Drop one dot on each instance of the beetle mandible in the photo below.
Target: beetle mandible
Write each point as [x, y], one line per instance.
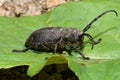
[56, 39]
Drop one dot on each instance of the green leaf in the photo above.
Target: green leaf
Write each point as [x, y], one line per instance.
[95, 69]
[105, 57]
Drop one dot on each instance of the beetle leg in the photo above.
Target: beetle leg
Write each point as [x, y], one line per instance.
[69, 52]
[82, 55]
[56, 45]
[92, 40]
[81, 47]
[55, 49]
[24, 50]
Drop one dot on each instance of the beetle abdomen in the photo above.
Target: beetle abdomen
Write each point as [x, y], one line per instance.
[43, 39]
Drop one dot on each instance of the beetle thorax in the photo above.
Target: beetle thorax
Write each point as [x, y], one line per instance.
[72, 34]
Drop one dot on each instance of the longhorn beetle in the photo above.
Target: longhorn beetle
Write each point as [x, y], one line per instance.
[58, 39]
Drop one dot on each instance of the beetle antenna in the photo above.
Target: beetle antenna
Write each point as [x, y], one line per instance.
[95, 19]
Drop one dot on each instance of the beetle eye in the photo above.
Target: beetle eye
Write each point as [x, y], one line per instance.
[80, 38]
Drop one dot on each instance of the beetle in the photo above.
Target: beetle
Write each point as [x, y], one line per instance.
[59, 39]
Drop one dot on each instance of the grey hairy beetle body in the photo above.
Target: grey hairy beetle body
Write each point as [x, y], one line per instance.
[55, 39]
